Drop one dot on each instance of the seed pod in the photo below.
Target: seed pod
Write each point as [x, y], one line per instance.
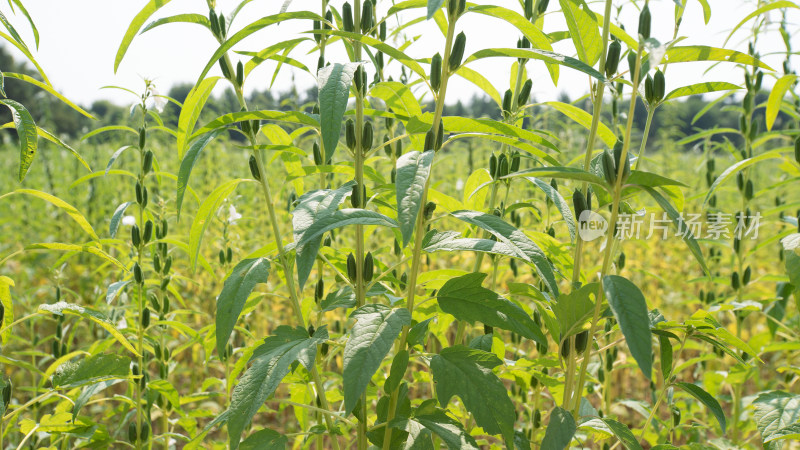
[437, 144]
[240, 74]
[403, 280]
[398, 148]
[350, 134]
[676, 416]
[359, 78]
[366, 17]
[436, 72]
[797, 150]
[430, 141]
[537, 418]
[626, 169]
[7, 394]
[379, 61]
[493, 165]
[644, 22]
[3, 314]
[746, 276]
[142, 137]
[137, 273]
[347, 18]
[529, 9]
[735, 280]
[366, 135]
[649, 94]
[759, 79]
[317, 154]
[147, 163]
[427, 213]
[589, 198]
[165, 308]
[393, 175]
[507, 103]
[145, 433]
[146, 317]
[254, 168]
[139, 193]
[502, 166]
[515, 161]
[135, 236]
[609, 168]
[351, 267]
[581, 339]
[223, 29]
[659, 85]
[612, 58]
[212, 18]
[621, 261]
[578, 202]
[319, 292]
[229, 254]
[525, 93]
[382, 31]
[369, 267]
[355, 200]
[565, 348]
[541, 7]
[631, 63]
[748, 190]
[167, 264]
[148, 231]
[132, 434]
[458, 51]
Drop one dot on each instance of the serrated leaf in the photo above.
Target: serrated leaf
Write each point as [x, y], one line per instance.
[573, 310]
[449, 430]
[62, 307]
[524, 248]
[271, 362]
[465, 299]
[376, 328]
[26, 133]
[413, 170]
[187, 164]
[559, 431]
[265, 439]
[100, 367]
[630, 309]
[235, 291]
[705, 398]
[467, 373]
[333, 82]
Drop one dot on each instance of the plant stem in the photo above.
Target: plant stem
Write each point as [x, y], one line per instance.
[664, 389]
[650, 113]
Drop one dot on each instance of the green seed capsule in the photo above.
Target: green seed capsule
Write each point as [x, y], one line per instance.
[529, 9]
[135, 236]
[524, 93]
[366, 136]
[537, 419]
[581, 339]
[759, 79]
[382, 31]
[578, 202]
[355, 200]
[430, 207]
[626, 170]
[145, 431]
[609, 168]
[612, 58]
[436, 72]
[369, 267]
[167, 264]
[493, 165]
[502, 166]
[166, 305]
[7, 394]
[403, 280]
[644, 22]
[226, 72]
[398, 149]
[221, 257]
[565, 348]
[797, 150]
[366, 17]
[146, 318]
[239, 74]
[507, 103]
[649, 94]
[351, 267]
[148, 231]
[315, 25]
[631, 64]
[139, 193]
[142, 137]
[541, 7]
[147, 163]
[458, 51]
[430, 141]
[659, 85]
[621, 261]
[132, 434]
[317, 154]
[676, 416]
[229, 255]
[223, 29]
[212, 18]
[254, 168]
[437, 144]
[347, 18]
[350, 134]
[137, 273]
[515, 161]
[746, 276]
[319, 292]
[735, 280]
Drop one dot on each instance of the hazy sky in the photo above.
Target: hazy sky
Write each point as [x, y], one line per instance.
[79, 40]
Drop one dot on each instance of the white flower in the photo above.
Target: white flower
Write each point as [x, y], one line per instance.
[459, 184]
[158, 101]
[233, 216]
[129, 221]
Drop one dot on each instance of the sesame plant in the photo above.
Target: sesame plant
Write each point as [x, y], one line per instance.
[306, 276]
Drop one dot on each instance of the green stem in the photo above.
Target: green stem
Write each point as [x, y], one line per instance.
[664, 389]
[650, 113]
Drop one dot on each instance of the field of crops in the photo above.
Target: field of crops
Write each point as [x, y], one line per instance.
[370, 265]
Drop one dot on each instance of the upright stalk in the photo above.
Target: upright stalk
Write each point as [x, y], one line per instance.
[650, 113]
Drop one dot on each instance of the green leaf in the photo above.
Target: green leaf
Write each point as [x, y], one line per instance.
[584, 119]
[676, 218]
[776, 98]
[736, 168]
[334, 89]
[190, 111]
[61, 204]
[204, 215]
[523, 247]
[543, 55]
[559, 202]
[573, 310]
[283, 116]
[476, 78]
[630, 309]
[465, 299]
[235, 291]
[100, 367]
[114, 289]
[467, 373]
[62, 307]
[449, 430]
[700, 88]
[116, 155]
[413, 170]
[564, 173]
[776, 416]
[449, 241]
[87, 248]
[265, 439]
[26, 133]
[49, 89]
[116, 218]
[2, 84]
[137, 22]
[559, 431]
[250, 29]
[187, 164]
[763, 9]
[583, 28]
[695, 53]
[317, 213]
[178, 18]
[88, 392]
[390, 50]
[271, 362]
[433, 6]
[665, 347]
[623, 433]
[8, 317]
[705, 398]
[376, 328]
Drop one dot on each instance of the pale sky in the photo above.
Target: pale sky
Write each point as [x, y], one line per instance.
[79, 40]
